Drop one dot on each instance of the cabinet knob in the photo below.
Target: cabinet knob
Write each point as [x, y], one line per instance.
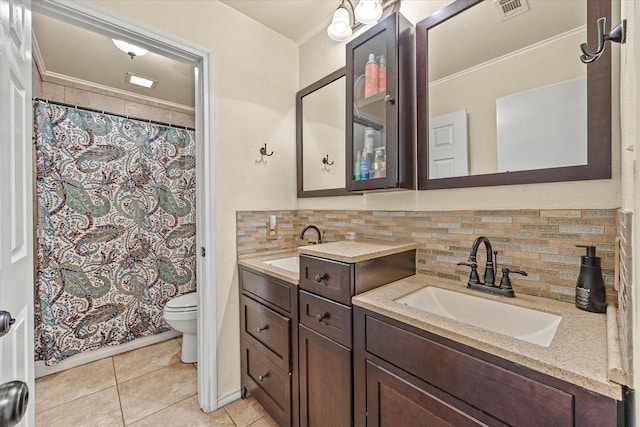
[263, 376]
[321, 317]
[321, 277]
[388, 99]
[263, 328]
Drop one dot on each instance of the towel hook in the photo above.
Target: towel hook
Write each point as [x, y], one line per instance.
[325, 161]
[263, 151]
[618, 34]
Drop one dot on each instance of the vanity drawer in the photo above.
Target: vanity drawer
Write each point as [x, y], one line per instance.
[329, 318]
[270, 385]
[267, 289]
[503, 394]
[330, 279]
[270, 330]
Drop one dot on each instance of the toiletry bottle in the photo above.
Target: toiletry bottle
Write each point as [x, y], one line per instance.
[382, 74]
[590, 293]
[377, 165]
[364, 166]
[371, 77]
[356, 168]
[369, 139]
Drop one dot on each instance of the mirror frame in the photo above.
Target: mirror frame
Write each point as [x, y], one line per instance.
[598, 112]
[299, 140]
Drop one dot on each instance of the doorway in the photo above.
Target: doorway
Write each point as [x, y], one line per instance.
[111, 25]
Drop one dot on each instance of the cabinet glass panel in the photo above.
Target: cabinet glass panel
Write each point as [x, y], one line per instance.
[369, 108]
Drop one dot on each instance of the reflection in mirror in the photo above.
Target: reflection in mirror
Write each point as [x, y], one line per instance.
[505, 99]
[320, 129]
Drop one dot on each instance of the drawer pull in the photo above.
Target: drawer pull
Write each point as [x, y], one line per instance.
[263, 328]
[321, 277]
[321, 317]
[263, 376]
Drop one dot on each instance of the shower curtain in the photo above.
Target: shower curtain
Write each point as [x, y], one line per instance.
[115, 227]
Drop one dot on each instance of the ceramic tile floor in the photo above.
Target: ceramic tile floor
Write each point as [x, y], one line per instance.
[144, 387]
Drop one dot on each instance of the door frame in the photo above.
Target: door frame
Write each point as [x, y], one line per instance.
[103, 21]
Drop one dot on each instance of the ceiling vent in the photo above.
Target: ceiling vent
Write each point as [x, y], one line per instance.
[507, 9]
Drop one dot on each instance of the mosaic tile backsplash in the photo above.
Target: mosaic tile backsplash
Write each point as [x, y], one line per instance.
[540, 242]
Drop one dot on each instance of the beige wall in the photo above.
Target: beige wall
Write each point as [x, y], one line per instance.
[254, 90]
[630, 126]
[320, 56]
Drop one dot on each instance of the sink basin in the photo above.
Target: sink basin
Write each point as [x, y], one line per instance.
[291, 263]
[524, 324]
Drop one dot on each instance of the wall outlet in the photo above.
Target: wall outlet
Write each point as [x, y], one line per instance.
[272, 228]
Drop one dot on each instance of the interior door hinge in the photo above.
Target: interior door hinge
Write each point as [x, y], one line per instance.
[203, 251]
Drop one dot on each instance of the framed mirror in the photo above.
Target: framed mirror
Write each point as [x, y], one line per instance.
[503, 97]
[320, 137]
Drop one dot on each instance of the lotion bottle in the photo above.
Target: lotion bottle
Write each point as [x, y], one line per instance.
[356, 168]
[382, 75]
[371, 76]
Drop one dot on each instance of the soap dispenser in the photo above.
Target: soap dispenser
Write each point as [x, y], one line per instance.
[590, 293]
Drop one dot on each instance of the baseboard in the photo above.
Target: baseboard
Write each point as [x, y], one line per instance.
[229, 397]
[42, 370]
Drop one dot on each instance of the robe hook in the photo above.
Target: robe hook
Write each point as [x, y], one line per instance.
[263, 151]
[618, 34]
[325, 160]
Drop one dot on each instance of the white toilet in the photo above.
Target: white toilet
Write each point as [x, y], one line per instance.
[180, 313]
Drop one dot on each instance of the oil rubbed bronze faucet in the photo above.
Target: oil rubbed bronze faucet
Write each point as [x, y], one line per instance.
[489, 285]
[320, 234]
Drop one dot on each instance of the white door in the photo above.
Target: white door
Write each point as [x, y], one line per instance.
[448, 145]
[16, 211]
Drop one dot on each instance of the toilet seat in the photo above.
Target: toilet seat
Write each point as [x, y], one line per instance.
[188, 302]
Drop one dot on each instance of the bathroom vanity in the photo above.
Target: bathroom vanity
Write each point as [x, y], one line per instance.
[414, 367]
[337, 343]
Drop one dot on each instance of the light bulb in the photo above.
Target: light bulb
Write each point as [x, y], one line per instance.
[368, 11]
[340, 28]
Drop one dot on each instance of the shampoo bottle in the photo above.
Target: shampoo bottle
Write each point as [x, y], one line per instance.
[364, 166]
[590, 293]
[371, 76]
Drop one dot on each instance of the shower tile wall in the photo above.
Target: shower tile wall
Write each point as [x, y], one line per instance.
[541, 242]
[100, 99]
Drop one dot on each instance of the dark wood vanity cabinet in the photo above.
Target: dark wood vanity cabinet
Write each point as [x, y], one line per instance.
[407, 376]
[381, 113]
[269, 343]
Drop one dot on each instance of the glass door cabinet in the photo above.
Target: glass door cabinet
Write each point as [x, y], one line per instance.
[380, 110]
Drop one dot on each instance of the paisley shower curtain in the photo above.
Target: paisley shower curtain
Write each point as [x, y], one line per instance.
[115, 227]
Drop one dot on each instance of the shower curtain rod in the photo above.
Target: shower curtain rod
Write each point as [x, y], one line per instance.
[113, 114]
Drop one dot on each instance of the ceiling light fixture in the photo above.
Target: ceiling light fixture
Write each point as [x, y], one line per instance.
[366, 12]
[140, 81]
[130, 49]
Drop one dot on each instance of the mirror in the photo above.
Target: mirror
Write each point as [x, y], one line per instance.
[320, 137]
[506, 100]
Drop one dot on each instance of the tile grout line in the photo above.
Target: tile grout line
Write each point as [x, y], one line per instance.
[118, 391]
[162, 409]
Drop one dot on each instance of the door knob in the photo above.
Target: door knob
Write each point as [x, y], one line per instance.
[5, 322]
[14, 396]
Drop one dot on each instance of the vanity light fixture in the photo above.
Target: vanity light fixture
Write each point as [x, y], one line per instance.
[130, 49]
[366, 12]
[140, 81]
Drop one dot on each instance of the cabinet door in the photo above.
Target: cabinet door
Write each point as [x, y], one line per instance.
[380, 113]
[392, 401]
[325, 381]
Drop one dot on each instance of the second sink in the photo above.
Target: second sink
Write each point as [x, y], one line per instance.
[533, 326]
[289, 263]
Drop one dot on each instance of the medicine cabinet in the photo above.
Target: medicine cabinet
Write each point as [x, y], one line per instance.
[380, 114]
